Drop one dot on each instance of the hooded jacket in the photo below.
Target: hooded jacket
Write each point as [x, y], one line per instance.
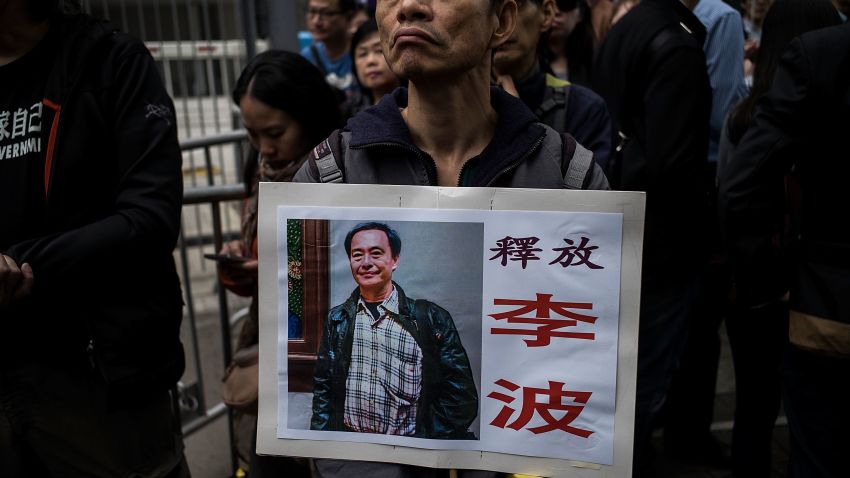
[376, 148]
[106, 291]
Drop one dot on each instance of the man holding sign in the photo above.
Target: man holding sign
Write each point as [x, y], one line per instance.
[448, 128]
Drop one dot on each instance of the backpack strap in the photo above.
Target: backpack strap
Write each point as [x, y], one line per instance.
[327, 162]
[578, 166]
[554, 99]
[319, 63]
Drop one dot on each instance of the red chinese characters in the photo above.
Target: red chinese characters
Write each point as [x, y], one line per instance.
[547, 327]
[552, 400]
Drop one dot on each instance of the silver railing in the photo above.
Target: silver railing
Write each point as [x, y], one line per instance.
[212, 202]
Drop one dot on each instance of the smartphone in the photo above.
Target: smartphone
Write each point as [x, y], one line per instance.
[226, 258]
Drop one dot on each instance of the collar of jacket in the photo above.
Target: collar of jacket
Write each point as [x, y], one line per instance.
[663, 14]
[517, 132]
[532, 88]
[350, 305]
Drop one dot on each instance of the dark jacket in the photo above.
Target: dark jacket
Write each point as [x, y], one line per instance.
[449, 401]
[586, 117]
[801, 123]
[651, 72]
[101, 253]
[376, 148]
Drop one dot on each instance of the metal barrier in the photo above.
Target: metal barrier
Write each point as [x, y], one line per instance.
[207, 223]
[199, 46]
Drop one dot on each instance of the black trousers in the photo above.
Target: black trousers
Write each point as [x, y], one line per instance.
[58, 420]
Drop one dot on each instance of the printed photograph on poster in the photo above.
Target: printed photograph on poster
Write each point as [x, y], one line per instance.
[450, 329]
[539, 287]
[384, 328]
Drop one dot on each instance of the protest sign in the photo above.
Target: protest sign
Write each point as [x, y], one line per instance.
[469, 328]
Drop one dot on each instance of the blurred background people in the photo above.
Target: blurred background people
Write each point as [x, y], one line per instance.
[361, 15]
[287, 108]
[689, 410]
[374, 77]
[650, 68]
[329, 22]
[601, 13]
[843, 7]
[572, 40]
[566, 107]
[753, 17]
[566, 17]
[797, 123]
[758, 371]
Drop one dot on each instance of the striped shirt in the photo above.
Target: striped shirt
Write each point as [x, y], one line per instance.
[724, 57]
[384, 379]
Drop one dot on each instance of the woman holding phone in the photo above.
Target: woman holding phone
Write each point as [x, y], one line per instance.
[287, 108]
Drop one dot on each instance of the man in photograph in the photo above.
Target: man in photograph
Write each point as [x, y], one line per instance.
[388, 363]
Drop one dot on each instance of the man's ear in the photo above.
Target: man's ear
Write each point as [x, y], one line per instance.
[550, 9]
[396, 259]
[506, 16]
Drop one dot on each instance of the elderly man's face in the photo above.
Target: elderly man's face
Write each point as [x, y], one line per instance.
[433, 38]
[372, 261]
[520, 51]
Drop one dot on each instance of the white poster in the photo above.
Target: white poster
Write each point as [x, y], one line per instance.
[457, 330]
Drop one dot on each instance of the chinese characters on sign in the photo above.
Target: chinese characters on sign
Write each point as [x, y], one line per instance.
[550, 315]
[553, 397]
[547, 327]
[534, 299]
[522, 250]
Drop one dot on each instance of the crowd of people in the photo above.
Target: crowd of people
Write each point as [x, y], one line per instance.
[729, 115]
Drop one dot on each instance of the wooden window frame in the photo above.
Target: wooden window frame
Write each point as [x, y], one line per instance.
[315, 267]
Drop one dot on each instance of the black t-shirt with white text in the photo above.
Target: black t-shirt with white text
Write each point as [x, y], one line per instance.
[23, 118]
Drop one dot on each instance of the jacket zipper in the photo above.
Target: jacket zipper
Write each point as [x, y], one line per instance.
[513, 165]
[90, 352]
[432, 174]
[462, 169]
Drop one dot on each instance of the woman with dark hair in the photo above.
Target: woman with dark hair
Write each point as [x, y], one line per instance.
[757, 369]
[570, 43]
[371, 70]
[569, 14]
[785, 20]
[287, 108]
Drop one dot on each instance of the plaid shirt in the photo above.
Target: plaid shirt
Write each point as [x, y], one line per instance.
[384, 379]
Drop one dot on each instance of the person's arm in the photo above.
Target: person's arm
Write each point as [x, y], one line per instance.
[457, 406]
[724, 52]
[145, 215]
[323, 382]
[589, 123]
[751, 184]
[238, 277]
[677, 102]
